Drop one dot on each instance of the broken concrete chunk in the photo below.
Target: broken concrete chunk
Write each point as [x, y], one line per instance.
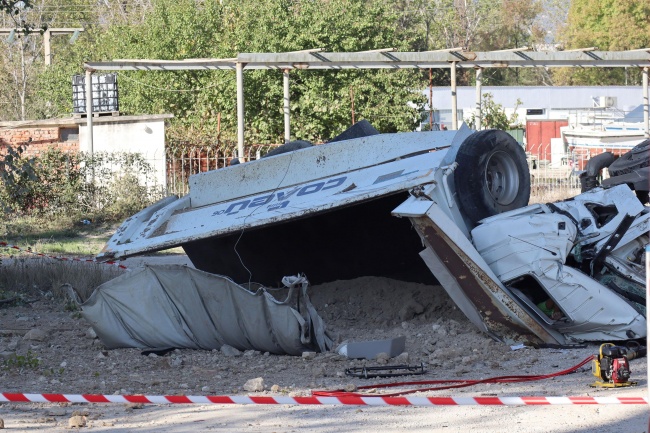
[56, 411]
[91, 334]
[230, 351]
[402, 358]
[175, 362]
[410, 310]
[429, 346]
[77, 421]
[308, 355]
[36, 335]
[254, 385]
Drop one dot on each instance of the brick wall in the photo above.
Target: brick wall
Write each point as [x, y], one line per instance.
[37, 140]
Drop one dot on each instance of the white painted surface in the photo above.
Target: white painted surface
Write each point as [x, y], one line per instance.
[173, 225]
[548, 97]
[309, 164]
[146, 136]
[558, 152]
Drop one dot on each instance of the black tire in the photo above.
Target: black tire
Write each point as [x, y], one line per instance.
[289, 147]
[637, 157]
[360, 129]
[492, 175]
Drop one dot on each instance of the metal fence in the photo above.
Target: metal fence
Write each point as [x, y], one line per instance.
[187, 161]
[556, 177]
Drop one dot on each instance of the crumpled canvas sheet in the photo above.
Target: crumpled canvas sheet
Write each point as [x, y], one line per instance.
[172, 306]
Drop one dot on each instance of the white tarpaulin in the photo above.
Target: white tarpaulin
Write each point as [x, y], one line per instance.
[159, 307]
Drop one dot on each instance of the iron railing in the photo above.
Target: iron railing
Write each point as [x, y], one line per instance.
[190, 160]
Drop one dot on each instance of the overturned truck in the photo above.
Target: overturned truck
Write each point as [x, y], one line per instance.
[443, 206]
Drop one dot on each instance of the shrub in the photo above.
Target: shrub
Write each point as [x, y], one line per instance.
[494, 115]
[19, 178]
[108, 186]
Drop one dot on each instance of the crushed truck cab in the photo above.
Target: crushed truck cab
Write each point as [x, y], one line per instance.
[442, 206]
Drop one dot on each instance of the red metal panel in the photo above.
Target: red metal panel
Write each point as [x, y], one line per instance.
[539, 134]
[533, 136]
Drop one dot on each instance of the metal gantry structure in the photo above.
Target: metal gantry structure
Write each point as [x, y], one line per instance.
[389, 58]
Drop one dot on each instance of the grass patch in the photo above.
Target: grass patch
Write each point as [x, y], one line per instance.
[25, 275]
[55, 236]
[20, 362]
[61, 236]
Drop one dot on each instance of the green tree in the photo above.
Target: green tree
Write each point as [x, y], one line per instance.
[458, 23]
[20, 64]
[13, 9]
[515, 24]
[321, 102]
[19, 54]
[607, 25]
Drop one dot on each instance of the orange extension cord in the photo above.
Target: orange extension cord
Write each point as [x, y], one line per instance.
[449, 384]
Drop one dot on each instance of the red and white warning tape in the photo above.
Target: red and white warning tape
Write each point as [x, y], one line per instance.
[63, 259]
[314, 400]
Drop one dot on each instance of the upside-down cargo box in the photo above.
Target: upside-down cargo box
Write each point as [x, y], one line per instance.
[443, 205]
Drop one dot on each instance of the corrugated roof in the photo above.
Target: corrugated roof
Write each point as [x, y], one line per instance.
[388, 58]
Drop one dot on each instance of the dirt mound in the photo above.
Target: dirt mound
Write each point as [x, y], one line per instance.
[71, 359]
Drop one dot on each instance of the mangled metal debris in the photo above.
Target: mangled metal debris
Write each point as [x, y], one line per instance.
[414, 206]
[160, 307]
[366, 372]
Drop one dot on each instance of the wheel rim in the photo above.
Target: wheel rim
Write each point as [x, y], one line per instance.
[502, 178]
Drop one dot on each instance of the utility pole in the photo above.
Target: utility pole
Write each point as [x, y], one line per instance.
[47, 35]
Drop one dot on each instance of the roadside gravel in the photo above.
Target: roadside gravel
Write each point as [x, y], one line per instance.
[71, 360]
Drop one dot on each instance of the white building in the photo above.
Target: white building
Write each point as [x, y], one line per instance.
[538, 102]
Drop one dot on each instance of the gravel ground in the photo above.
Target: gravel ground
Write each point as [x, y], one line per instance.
[55, 352]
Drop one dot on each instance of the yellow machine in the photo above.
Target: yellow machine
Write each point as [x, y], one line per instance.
[612, 366]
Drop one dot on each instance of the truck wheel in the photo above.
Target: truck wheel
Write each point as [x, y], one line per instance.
[637, 157]
[492, 175]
